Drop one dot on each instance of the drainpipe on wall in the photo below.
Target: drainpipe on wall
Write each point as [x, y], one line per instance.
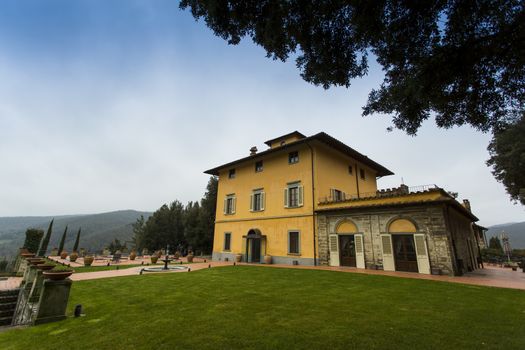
[313, 202]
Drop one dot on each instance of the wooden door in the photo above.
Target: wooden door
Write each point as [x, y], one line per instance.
[256, 250]
[405, 253]
[347, 250]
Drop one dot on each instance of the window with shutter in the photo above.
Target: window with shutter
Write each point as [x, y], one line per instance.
[229, 204]
[333, 243]
[293, 242]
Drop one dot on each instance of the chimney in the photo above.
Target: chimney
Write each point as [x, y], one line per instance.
[253, 151]
[466, 204]
[403, 189]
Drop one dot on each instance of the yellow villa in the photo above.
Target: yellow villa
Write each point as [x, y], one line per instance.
[314, 201]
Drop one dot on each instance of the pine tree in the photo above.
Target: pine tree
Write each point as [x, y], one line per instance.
[62, 242]
[75, 247]
[45, 242]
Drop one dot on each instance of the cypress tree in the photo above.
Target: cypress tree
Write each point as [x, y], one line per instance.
[33, 238]
[75, 247]
[62, 241]
[45, 242]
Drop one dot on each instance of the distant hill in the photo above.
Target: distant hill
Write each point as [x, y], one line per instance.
[97, 229]
[515, 231]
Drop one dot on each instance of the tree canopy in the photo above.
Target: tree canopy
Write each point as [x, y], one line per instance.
[460, 62]
[507, 157]
[185, 227]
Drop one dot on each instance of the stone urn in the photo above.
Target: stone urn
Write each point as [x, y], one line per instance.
[268, 259]
[132, 255]
[63, 254]
[154, 259]
[73, 257]
[57, 275]
[27, 255]
[36, 261]
[238, 257]
[88, 260]
[190, 257]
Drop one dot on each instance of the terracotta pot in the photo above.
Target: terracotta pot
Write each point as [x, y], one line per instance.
[63, 255]
[73, 257]
[27, 255]
[268, 259]
[132, 256]
[57, 275]
[189, 258]
[154, 259]
[238, 257]
[43, 267]
[23, 251]
[54, 252]
[514, 268]
[88, 260]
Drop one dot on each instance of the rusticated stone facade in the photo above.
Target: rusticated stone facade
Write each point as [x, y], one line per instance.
[448, 234]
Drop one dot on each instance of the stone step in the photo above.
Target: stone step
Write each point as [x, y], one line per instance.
[7, 313]
[8, 306]
[9, 292]
[5, 321]
[8, 299]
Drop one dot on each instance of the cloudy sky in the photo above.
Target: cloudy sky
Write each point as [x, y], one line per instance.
[120, 104]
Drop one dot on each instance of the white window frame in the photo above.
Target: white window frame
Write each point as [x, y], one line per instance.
[232, 173]
[262, 166]
[298, 242]
[300, 195]
[256, 207]
[229, 204]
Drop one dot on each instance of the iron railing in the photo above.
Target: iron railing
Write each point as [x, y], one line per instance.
[339, 196]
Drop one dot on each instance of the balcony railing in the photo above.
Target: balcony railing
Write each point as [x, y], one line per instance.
[389, 192]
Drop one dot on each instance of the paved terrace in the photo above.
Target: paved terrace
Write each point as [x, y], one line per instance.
[491, 276]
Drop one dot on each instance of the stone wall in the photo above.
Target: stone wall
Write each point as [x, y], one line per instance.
[372, 222]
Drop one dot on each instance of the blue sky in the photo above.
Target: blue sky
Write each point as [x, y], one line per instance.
[108, 105]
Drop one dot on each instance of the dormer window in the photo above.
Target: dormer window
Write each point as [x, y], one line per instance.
[231, 174]
[293, 157]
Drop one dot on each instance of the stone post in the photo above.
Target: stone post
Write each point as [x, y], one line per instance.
[53, 301]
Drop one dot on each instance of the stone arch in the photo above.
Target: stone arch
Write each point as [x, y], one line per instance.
[401, 225]
[346, 226]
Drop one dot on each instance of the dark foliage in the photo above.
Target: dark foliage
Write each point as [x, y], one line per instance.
[462, 61]
[62, 241]
[33, 238]
[507, 158]
[186, 227]
[495, 243]
[115, 245]
[77, 241]
[45, 242]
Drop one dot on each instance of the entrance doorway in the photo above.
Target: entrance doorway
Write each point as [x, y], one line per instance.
[405, 253]
[255, 250]
[255, 244]
[347, 250]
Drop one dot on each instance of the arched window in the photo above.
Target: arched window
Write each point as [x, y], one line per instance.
[402, 226]
[346, 226]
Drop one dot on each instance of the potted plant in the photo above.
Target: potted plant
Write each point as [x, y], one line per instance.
[58, 273]
[73, 256]
[190, 256]
[54, 252]
[268, 259]
[154, 258]
[63, 254]
[132, 255]
[88, 260]
[514, 266]
[238, 257]
[177, 255]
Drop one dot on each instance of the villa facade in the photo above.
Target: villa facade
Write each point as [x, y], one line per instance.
[314, 201]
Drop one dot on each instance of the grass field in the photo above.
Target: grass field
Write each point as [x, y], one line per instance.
[247, 307]
[102, 268]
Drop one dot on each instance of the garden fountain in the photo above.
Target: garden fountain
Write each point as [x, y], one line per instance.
[166, 267]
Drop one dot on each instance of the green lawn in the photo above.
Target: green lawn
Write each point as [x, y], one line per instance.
[247, 307]
[103, 268]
